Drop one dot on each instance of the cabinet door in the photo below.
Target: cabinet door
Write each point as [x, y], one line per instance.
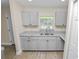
[34, 18]
[61, 17]
[25, 43]
[26, 18]
[60, 44]
[52, 43]
[42, 44]
[30, 18]
[33, 43]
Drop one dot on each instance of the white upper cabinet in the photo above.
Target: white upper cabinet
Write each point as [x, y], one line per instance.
[30, 18]
[34, 18]
[26, 18]
[61, 17]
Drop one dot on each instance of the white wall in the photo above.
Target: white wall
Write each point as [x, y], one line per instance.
[5, 12]
[18, 28]
[17, 23]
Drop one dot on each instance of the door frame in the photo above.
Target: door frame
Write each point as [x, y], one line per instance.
[68, 29]
[10, 30]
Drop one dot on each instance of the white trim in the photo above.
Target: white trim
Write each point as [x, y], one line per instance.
[68, 29]
[18, 52]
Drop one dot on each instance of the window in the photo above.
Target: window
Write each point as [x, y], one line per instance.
[46, 22]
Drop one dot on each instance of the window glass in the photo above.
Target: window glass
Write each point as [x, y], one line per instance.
[46, 22]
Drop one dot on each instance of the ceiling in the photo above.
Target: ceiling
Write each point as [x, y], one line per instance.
[44, 3]
[38, 3]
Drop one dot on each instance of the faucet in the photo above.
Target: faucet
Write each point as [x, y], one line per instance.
[46, 32]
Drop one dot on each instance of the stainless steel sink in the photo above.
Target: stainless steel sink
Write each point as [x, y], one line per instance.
[52, 34]
[41, 34]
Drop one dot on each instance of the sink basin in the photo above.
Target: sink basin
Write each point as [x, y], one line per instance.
[41, 34]
[52, 34]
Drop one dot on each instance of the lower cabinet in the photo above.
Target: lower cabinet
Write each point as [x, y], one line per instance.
[41, 43]
[33, 45]
[52, 44]
[25, 43]
[60, 44]
[28, 43]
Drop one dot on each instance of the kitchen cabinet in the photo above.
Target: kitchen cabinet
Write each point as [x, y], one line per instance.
[30, 18]
[38, 43]
[41, 43]
[33, 43]
[34, 18]
[25, 43]
[60, 18]
[52, 44]
[26, 18]
[60, 44]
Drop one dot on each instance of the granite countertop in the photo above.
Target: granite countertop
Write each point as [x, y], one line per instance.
[36, 33]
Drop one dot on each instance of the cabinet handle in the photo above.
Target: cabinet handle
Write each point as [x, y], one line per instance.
[28, 40]
[47, 40]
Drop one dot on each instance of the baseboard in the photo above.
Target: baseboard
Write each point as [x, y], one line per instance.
[6, 43]
[18, 52]
[43, 50]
